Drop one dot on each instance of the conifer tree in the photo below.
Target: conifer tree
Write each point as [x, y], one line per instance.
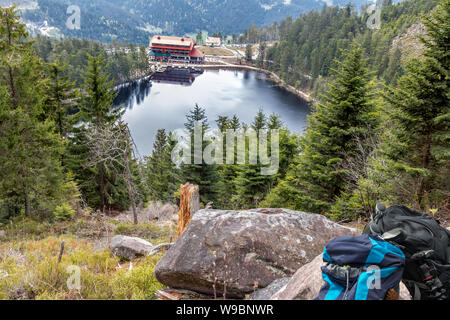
[262, 54]
[252, 185]
[228, 171]
[96, 107]
[29, 148]
[223, 123]
[161, 172]
[234, 123]
[248, 52]
[417, 145]
[316, 181]
[96, 111]
[198, 172]
[62, 97]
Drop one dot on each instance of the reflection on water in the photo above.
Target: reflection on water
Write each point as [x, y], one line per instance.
[132, 93]
[174, 76]
[164, 103]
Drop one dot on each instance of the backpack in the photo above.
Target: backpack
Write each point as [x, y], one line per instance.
[360, 268]
[426, 246]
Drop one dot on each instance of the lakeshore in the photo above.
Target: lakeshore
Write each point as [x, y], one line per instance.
[273, 77]
[163, 101]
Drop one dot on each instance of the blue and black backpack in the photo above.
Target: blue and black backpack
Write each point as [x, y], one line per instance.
[360, 268]
[426, 245]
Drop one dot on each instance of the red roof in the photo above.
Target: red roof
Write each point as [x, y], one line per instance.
[172, 41]
[195, 53]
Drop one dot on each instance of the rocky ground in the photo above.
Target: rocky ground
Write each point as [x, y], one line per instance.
[253, 254]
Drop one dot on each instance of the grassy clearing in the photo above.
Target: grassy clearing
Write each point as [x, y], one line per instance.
[214, 50]
[30, 270]
[153, 232]
[29, 251]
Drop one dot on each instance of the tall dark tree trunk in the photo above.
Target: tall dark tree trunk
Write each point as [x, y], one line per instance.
[13, 88]
[101, 186]
[27, 202]
[130, 186]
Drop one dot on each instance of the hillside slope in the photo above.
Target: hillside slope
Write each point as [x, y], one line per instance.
[136, 20]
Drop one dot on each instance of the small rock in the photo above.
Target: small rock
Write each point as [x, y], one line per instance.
[158, 248]
[267, 292]
[130, 247]
[174, 294]
[23, 293]
[2, 234]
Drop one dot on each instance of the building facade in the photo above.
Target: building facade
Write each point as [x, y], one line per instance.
[175, 49]
[213, 42]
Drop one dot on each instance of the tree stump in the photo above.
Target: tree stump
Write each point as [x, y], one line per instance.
[189, 205]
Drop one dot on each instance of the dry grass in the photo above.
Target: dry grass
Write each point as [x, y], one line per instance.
[29, 267]
[155, 211]
[30, 270]
[214, 51]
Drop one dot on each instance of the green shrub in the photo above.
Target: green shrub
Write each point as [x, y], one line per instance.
[64, 212]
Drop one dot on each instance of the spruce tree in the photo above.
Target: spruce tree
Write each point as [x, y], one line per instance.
[223, 123]
[96, 107]
[198, 172]
[416, 147]
[252, 185]
[29, 148]
[96, 111]
[347, 111]
[235, 123]
[248, 53]
[228, 171]
[161, 172]
[62, 97]
[289, 145]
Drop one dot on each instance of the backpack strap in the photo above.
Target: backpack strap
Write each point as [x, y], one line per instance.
[380, 211]
[417, 286]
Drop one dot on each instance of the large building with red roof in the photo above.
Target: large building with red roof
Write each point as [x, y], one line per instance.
[175, 49]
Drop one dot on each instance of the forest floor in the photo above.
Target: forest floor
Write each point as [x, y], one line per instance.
[30, 249]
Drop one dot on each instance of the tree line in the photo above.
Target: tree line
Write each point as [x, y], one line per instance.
[62, 144]
[310, 45]
[370, 141]
[231, 184]
[124, 61]
[367, 140]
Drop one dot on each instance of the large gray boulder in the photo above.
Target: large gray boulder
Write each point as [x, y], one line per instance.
[242, 251]
[305, 284]
[130, 247]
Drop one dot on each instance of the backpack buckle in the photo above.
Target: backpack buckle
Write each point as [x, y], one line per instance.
[422, 255]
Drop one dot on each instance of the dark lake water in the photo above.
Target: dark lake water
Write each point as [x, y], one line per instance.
[163, 102]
